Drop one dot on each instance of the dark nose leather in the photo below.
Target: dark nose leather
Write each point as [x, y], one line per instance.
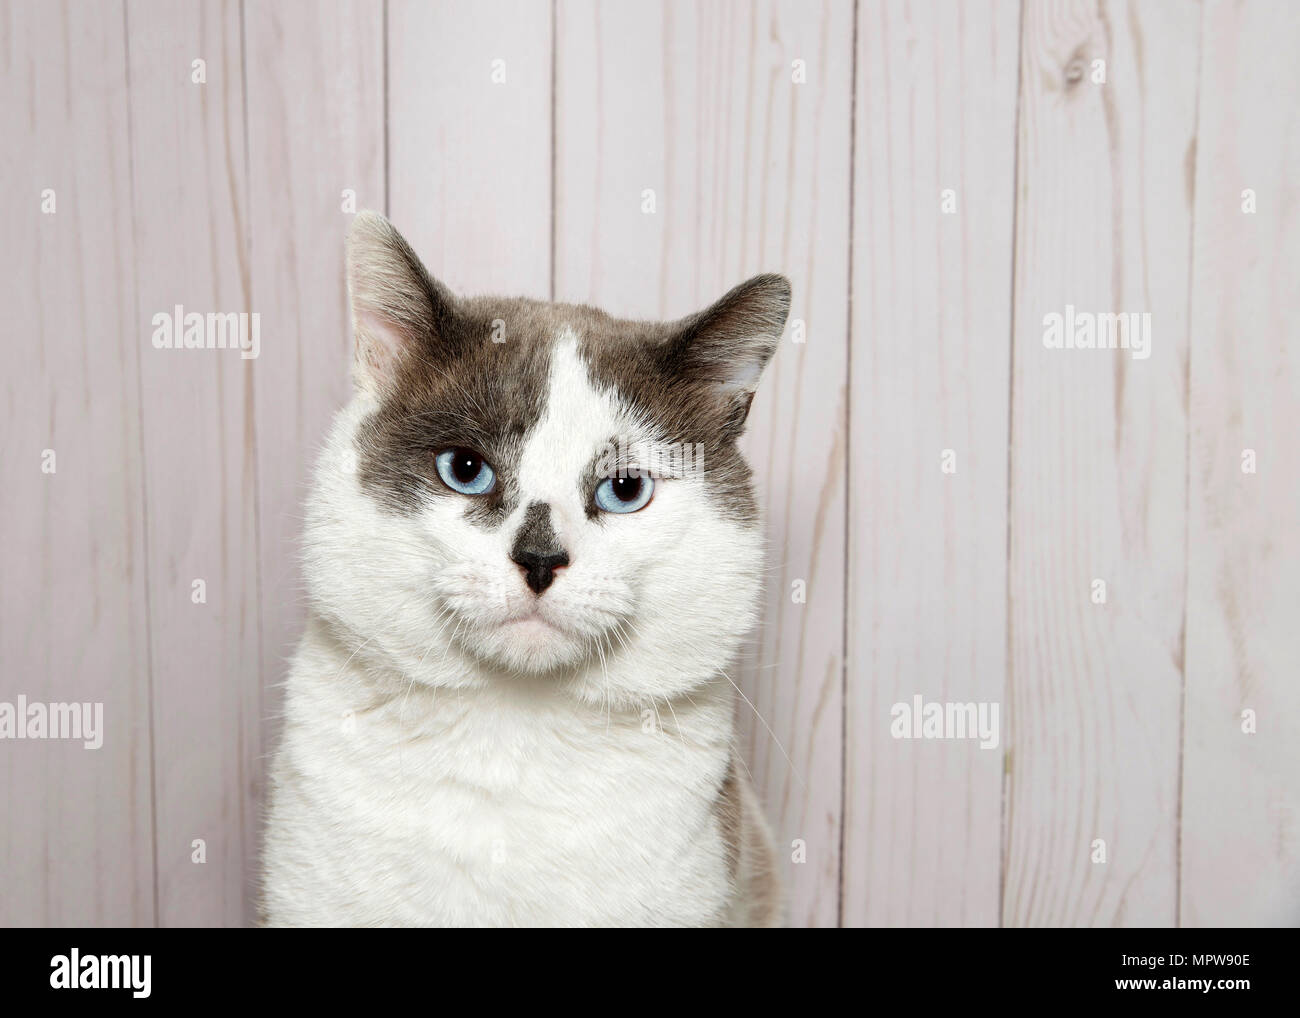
[539, 567]
[536, 549]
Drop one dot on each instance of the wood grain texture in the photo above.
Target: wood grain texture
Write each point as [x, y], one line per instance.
[76, 834]
[469, 160]
[1098, 466]
[750, 173]
[1241, 792]
[930, 350]
[315, 130]
[190, 224]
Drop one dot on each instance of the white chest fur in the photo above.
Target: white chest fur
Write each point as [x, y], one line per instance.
[499, 804]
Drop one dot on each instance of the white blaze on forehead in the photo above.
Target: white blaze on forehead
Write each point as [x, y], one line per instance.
[578, 421]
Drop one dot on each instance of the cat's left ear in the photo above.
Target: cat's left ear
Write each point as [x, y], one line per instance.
[728, 344]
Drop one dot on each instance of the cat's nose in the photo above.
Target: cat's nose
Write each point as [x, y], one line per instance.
[539, 567]
[536, 549]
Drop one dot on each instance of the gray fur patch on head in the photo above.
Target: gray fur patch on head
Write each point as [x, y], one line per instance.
[460, 388]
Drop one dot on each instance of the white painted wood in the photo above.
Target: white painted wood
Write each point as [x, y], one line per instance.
[1098, 467]
[200, 446]
[936, 99]
[469, 160]
[76, 837]
[750, 173]
[1241, 793]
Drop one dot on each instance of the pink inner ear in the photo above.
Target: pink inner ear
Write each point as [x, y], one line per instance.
[379, 345]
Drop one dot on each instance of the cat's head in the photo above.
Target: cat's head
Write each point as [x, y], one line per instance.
[524, 488]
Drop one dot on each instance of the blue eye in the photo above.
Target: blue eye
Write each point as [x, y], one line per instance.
[465, 471]
[624, 494]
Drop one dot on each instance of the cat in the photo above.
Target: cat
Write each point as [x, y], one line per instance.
[511, 705]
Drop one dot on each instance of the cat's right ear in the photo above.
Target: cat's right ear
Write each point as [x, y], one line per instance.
[398, 309]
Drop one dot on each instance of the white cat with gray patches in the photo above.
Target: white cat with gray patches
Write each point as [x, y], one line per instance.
[512, 705]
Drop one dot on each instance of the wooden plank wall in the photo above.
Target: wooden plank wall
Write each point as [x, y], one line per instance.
[1098, 467]
[76, 826]
[927, 564]
[1240, 810]
[944, 490]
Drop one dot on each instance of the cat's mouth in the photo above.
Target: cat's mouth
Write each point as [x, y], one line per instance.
[534, 620]
[530, 641]
[534, 634]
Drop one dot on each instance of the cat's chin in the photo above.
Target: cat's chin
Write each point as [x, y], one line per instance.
[529, 644]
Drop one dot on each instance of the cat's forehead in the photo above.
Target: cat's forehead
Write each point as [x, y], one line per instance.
[514, 357]
[543, 392]
[580, 418]
[522, 391]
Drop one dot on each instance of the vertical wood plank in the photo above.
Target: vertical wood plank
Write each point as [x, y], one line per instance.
[936, 101]
[469, 169]
[315, 131]
[1240, 862]
[1098, 467]
[76, 836]
[188, 163]
[750, 173]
